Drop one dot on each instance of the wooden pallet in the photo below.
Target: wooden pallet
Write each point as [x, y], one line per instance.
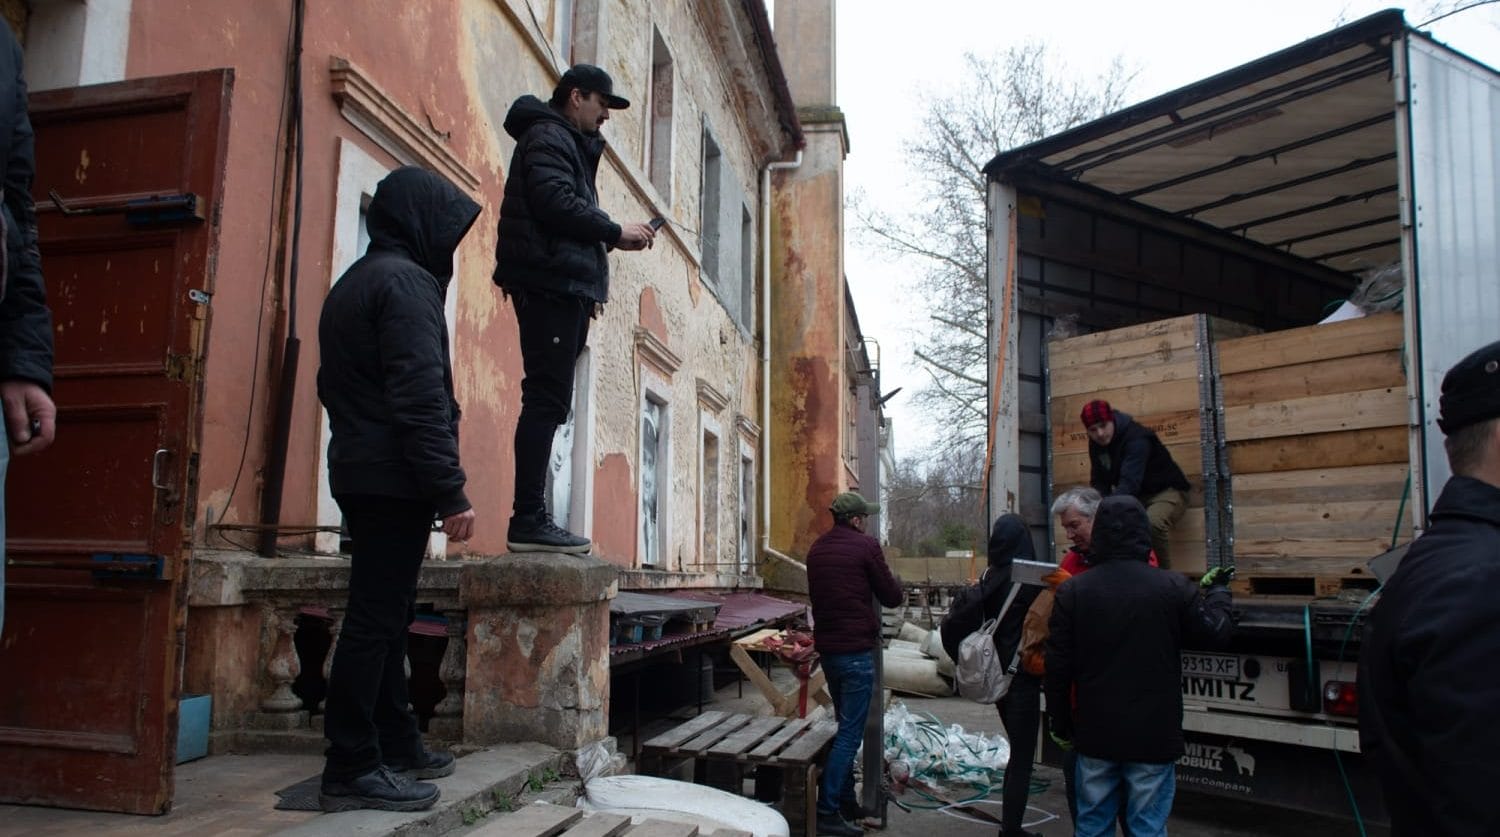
[541, 819]
[787, 752]
[1295, 585]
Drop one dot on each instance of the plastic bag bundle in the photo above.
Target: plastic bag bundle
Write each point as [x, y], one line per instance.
[927, 750]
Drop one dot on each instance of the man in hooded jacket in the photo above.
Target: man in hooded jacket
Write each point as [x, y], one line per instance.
[1127, 458]
[387, 382]
[551, 260]
[25, 322]
[1114, 677]
[1020, 710]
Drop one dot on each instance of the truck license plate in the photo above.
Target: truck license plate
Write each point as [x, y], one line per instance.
[1216, 666]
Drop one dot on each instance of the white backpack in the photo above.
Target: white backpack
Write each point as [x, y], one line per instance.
[981, 676]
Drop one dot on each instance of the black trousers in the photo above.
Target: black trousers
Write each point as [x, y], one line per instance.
[366, 717]
[1021, 715]
[554, 329]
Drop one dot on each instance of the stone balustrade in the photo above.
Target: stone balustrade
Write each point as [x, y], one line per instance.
[524, 655]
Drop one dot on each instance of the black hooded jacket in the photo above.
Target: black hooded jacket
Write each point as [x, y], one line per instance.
[1009, 540]
[553, 236]
[25, 324]
[1115, 634]
[385, 376]
[1427, 685]
[1138, 463]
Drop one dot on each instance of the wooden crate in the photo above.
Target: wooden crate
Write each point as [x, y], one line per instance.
[1315, 430]
[1157, 372]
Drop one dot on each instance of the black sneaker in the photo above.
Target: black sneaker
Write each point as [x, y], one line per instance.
[537, 533]
[380, 790]
[427, 765]
[852, 812]
[833, 825]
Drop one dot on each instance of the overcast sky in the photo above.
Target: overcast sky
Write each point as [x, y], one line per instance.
[892, 52]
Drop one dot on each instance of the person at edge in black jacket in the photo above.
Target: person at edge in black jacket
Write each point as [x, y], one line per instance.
[1127, 458]
[1021, 708]
[25, 322]
[387, 382]
[1114, 677]
[1428, 688]
[551, 261]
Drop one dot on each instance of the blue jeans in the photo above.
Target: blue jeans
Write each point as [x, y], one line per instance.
[851, 679]
[1145, 790]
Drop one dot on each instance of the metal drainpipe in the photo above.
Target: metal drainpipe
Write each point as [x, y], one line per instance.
[765, 359]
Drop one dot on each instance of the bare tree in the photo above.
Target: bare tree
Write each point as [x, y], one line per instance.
[937, 505]
[1015, 97]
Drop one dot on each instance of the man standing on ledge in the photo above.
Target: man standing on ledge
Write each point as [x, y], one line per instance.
[846, 572]
[1427, 684]
[1128, 459]
[551, 260]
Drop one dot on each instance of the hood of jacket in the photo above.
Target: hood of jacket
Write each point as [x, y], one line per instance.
[1122, 421]
[419, 214]
[529, 110]
[1009, 540]
[1122, 532]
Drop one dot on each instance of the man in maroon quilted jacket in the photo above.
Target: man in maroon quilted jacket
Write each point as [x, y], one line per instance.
[846, 573]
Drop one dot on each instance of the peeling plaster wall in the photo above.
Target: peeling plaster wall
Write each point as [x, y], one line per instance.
[455, 66]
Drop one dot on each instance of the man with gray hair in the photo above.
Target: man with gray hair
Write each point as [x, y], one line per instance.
[1075, 510]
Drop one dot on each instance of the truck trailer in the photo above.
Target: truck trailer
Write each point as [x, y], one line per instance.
[1177, 258]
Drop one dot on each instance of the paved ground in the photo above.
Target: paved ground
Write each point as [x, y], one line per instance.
[231, 796]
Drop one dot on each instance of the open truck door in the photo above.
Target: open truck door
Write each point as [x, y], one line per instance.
[99, 525]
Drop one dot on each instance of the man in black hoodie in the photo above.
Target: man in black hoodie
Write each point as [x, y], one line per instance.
[1114, 677]
[387, 382]
[1126, 458]
[551, 260]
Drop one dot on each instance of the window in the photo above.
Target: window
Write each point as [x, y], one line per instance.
[568, 477]
[575, 30]
[747, 510]
[711, 206]
[659, 126]
[72, 44]
[708, 493]
[747, 270]
[562, 29]
[654, 475]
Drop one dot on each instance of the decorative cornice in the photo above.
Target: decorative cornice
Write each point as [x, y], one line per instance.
[747, 427]
[385, 122]
[710, 397]
[655, 352]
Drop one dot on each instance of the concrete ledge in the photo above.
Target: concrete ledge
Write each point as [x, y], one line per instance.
[535, 580]
[220, 578]
[646, 580]
[483, 781]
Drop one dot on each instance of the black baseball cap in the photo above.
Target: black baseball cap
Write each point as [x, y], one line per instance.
[1471, 390]
[591, 79]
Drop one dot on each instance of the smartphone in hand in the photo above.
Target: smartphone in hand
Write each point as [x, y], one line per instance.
[657, 223]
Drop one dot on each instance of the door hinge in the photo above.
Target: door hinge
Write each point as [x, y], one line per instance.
[199, 297]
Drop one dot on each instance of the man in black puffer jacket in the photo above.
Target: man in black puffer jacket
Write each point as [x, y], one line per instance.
[551, 261]
[1114, 675]
[387, 382]
[1127, 458]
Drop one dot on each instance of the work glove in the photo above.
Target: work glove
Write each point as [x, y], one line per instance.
[1060, 735]
[1216, 576]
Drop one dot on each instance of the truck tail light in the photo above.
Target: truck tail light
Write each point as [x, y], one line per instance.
[1340, 698]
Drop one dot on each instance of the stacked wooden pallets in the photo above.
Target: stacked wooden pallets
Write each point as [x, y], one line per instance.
[1156, 372]
[1315, 433]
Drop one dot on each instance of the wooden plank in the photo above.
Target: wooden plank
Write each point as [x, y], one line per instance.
[1281, 563]
[599, 825]
[757, 677]
[675, 736]
[1322, 478]
[1125, 372]
[757, 638]
[539, 819]
[746, 738]
[1073, 468]
[1317, 414]
[1360, 336]
[807, 747]
[1179, 396]
[1179, 428]
[715, 734]
[1345, 374]
[776, 742]
[1068, 353]
[1155, 328]
[1304, 553]
[1319, 450]
[1382, 512]
[658, 828]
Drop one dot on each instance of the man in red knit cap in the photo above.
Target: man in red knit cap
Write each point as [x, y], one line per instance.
[1126, 458]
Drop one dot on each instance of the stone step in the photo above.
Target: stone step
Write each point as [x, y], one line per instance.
[486, 780]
